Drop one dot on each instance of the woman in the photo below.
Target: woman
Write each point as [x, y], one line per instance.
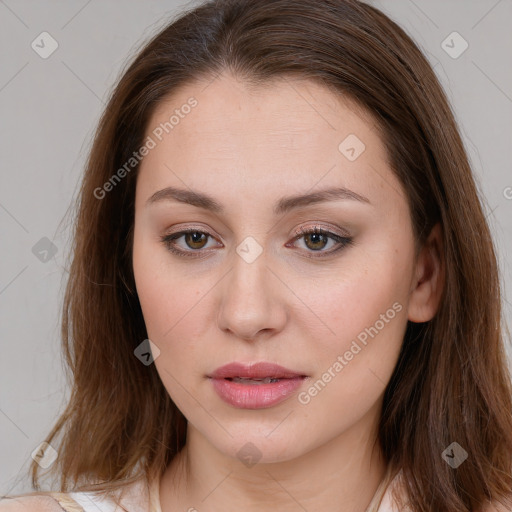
[284, 293]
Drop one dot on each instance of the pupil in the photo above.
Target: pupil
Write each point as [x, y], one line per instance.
[196, 237]
[317, 238]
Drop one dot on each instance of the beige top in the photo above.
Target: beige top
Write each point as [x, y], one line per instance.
[143, 497]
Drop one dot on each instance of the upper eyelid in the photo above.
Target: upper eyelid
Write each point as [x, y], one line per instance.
[304, 227]
[322, 228]
[302, 231]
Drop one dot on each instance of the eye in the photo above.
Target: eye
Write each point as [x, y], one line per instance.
[194, 239]
[317, 238]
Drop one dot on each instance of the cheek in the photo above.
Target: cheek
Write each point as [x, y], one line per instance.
[174, 315]
[356, 357]
[363, 309]
[172, 303]
[157, 293]
[175, 307]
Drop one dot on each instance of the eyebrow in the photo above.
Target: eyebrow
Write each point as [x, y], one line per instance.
[283, 205]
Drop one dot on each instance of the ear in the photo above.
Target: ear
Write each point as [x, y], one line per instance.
[428, 283]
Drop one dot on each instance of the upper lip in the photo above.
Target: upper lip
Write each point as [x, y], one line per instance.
[254, 370]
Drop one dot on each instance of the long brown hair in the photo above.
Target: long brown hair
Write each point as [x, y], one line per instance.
[451, 382]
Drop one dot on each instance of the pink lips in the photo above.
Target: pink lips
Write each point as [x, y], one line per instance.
[279, 384]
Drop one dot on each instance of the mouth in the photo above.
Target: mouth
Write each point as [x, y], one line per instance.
[255, 386]
[255, 373]
[259, 382]
[266, 380]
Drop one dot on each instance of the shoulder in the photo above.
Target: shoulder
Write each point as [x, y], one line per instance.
[396, 488]
[134, 496]
[29, 503]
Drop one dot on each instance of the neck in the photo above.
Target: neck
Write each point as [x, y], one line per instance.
[345, 470]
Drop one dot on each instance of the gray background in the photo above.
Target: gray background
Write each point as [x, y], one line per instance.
[49, 110]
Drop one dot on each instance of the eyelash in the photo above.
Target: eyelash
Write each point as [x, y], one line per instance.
[343, 241]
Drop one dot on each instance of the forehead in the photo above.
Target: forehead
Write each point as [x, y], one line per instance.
[285, 134]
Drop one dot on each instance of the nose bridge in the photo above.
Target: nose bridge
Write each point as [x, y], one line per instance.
[250, 301]
[248, 277]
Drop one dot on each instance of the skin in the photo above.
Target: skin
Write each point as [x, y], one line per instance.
[247, 147]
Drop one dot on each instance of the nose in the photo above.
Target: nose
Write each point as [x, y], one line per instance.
[252, 302]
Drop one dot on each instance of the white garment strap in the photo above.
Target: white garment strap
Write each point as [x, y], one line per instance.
[91, 502]
[375, 504]
[67, 503]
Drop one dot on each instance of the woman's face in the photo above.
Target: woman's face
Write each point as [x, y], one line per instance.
[252, 282]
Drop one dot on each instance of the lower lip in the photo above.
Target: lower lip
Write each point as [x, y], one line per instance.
[255, 396]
